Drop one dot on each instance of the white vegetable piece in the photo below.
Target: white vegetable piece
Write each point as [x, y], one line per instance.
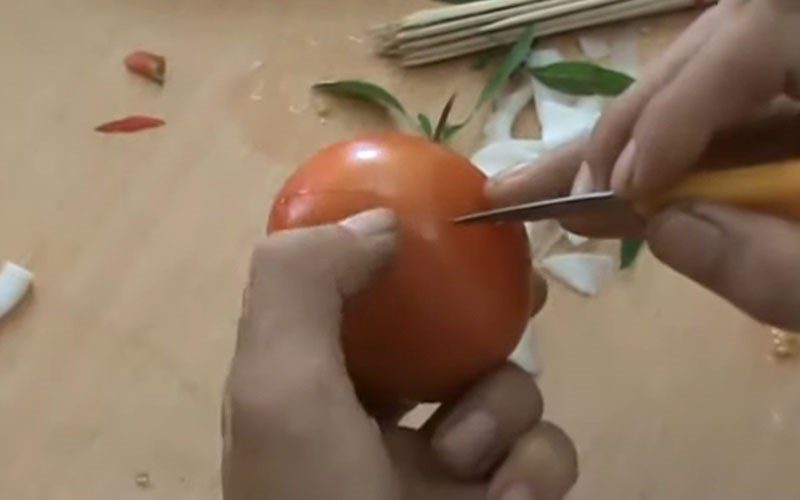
[585, 273]
[592, 104]
[498, 156]
[561, 123]
[15, 281]
[562, 117]
[417, 417]
[525, 354]
[594, 46]
[576, 240]
[624, 55]
[500, 124]
[543, 236]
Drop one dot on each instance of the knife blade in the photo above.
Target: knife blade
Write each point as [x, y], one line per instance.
[603, 202]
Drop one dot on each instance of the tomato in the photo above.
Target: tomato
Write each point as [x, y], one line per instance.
[455, 299]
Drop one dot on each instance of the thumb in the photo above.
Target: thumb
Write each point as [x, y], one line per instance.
[752, 260]
[292, 425]
[303, 275]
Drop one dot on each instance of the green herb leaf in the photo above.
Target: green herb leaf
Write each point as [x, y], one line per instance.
[582, 78]
[484, 58]
[425, 125]
[629, 251]
[515, 58]
[442, 125]
[458, 1]
[451, 130]
[366, 91]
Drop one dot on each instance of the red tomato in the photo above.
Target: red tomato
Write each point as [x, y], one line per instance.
[454, 301]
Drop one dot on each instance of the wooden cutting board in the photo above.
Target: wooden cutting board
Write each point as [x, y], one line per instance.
[113, 369]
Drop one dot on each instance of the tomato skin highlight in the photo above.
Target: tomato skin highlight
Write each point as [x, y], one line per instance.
[455, 299]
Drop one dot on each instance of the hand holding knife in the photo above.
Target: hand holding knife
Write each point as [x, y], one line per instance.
[771, 188]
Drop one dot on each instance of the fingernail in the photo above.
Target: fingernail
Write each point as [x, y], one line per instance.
[686, 241]
[464, 445]
[510, 172]
[371, 222]
[583, 180]
[622, 175]
[518, 491]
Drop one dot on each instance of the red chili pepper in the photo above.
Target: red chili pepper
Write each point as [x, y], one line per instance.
[148, 65]
[129, 124]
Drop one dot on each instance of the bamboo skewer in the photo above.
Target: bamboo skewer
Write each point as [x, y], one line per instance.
[569, 8]
[447, 32]
[482, 31]
[545, 28]
[431, 16]
[457, 25]
[482, 41]
[392, 36]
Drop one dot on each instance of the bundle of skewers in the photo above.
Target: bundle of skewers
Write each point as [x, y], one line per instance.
[442, 33]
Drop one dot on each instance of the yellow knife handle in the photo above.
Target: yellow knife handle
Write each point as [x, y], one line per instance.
[772, 188]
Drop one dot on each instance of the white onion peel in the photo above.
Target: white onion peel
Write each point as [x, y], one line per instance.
[624, 55]
[585, 273]
[543, 236]
[501, 155]
[561, 123]
[595, 47]
[500, 124]
[15, 281]
[575, 240]
[525, 353]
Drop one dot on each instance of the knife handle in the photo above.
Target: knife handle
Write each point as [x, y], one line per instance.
[772, 188]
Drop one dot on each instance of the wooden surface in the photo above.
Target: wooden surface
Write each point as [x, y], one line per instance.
[140, 243]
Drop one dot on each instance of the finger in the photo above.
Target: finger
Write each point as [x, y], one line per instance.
[616, 124]
[549, 177]
[543, 465]
[752, 260]
[770, 135]
[473, 434]
[679, 122]
[621, 223]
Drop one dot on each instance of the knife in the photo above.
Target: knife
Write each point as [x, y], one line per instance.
[770, 187]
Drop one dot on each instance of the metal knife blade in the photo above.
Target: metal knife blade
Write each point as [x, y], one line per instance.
[586, 204]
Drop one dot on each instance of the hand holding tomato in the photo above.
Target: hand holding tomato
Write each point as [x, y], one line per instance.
[454, 302]
[293, 426]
